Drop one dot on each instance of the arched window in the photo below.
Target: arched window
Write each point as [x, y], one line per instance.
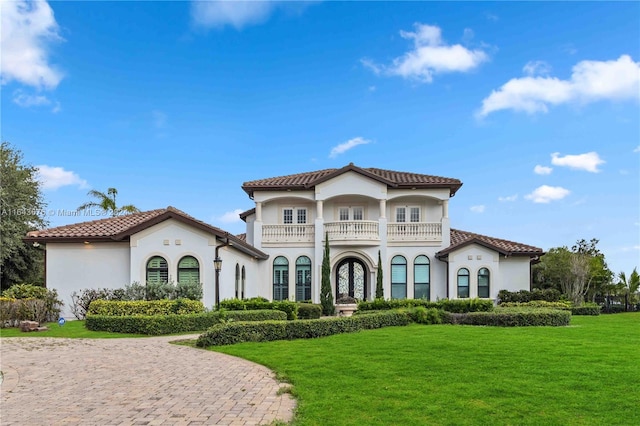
[188, 270]
[280, 278]
[463, 283]
[244, 282]
[483, 282]
[237, 281]
[398, 277]
[157, 270]
[421, 278]
[303, 279]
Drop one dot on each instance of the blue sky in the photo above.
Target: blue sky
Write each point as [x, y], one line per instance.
[534, 106]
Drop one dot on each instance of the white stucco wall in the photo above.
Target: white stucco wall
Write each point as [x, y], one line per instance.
[173, 240]
[516, 274]
[76, 266]
[474, 257]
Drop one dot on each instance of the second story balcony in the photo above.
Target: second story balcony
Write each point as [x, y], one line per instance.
[414, 231]
[357, 232]
[289, 233]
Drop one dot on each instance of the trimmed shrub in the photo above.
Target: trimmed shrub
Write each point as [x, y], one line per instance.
[290, 308]
[80, 301]
[586, 309]
[167, 324]
[422, 315]
[44, 304]
[189, 290]
[230, 333]
[459, 306]
[612, 309]
[512, 317]
[145, 307]
[537, 304]
[523, 296]
[309, 311]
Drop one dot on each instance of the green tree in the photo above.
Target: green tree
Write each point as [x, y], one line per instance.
[107, 202]
[326, 295]
[22, 209]
[578, 272]
[630, 286]
[379, 288]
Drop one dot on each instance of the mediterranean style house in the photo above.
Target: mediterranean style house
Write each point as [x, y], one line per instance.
[366, 214]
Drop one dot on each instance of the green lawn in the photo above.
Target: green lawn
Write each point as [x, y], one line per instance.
[72, 329]
[584, 374]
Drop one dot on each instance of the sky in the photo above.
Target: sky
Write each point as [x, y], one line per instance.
[534, 106]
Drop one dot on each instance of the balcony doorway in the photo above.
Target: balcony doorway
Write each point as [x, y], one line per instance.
[351, 279]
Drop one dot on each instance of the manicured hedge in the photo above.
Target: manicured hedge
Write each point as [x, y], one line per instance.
[144, 307]
[548, 295]
[538, 304]
[172, 323]
[511, 317]
[256, 303]
[230, 333]
[309, 311]
[586, 310]
[458, 306]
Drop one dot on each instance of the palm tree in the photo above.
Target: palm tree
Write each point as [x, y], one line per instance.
[107, 202]
[631, 285]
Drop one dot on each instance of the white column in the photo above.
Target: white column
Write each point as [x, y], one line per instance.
[319, 209]
[445, 208]
[258, 211]
[383, 208]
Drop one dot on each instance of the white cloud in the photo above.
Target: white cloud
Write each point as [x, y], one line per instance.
[55, 177]
[237, 14]
[491, 17]
[429, 56]
[588, 162]
[25, 100]
[346, 146]
[637, 149]
[509, 198]
[28, 28]
[536, 68]
[545, 194]
[590, 81]
[542, 170]
[477, 209]
[231, 217]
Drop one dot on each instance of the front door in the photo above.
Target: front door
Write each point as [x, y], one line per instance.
[351, 279]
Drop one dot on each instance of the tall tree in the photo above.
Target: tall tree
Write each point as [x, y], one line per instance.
[22, 209]
[577, 272]
[107, 202]
[326, 295]
[630, 286]
[379, 288]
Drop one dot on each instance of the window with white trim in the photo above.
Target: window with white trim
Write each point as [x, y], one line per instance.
[483, 282]
[408, 214]
[351, 213]
[294, 215]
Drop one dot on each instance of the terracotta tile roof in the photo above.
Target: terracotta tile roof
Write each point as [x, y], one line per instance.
[460, 239]
[102, 228]
[120, 228]
[393, 179]
[242, 237]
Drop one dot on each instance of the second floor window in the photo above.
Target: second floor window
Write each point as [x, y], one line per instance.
[351, 213]
[294, 215]
[407, 214]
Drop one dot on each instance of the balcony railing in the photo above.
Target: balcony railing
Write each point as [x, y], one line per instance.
[288, 233]
[356, 230]
[414, 231]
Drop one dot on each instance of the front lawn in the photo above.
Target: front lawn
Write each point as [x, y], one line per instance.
[584, 374]
[72, 329]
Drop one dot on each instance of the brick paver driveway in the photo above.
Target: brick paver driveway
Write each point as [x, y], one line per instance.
[144, 381]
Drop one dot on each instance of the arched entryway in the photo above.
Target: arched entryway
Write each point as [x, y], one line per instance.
[351, 279]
